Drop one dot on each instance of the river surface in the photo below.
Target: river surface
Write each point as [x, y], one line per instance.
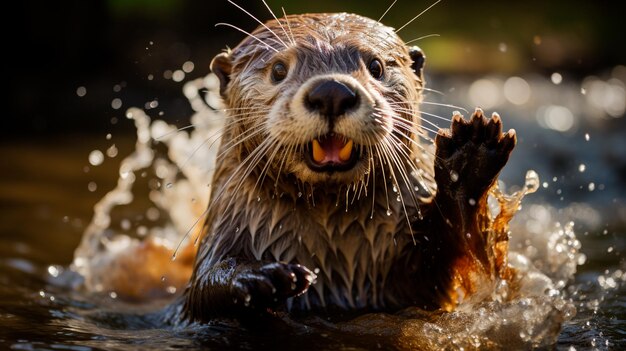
[572, 231]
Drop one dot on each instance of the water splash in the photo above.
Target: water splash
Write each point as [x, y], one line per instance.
[178, 178]
[523, 312]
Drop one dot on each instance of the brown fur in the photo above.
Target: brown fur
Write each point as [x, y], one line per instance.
[370, 251]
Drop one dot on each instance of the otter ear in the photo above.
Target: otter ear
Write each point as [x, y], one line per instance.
[222, 67]
[418, 57]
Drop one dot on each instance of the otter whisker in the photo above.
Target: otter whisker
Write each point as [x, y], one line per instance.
[174, 132]
[431, 103]
[422, 37]
[288, 25]
[388, 8]
[268, 162]
[250, 162]
[382, 168]
[416, 17]
[400, 165]
[279, 23]
[186, 235]
[434, 131]
[222, 191]
[434, 91]
[217, 135]
[248, 34]
[248, 134]
[412, 127]
[260, 22]
[412, 165]
[282, 163]
[391, 162]
[373, 171]
[415, 170]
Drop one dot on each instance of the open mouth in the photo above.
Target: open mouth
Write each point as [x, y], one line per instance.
[331, 153]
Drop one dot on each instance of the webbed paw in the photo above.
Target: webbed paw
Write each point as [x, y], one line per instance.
[471, 154]
[271, 284]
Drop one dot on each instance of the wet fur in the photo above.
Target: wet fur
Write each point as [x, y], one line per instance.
[270, 217]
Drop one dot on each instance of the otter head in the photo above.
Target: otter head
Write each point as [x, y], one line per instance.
[327, 98]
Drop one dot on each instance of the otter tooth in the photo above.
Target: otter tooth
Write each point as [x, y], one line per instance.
[346, 151]
[318, 153]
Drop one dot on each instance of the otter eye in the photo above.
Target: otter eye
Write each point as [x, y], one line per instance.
[279, 72]
[376, 68]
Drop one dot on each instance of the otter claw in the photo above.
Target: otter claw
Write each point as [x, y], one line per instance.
[475, 150]
[271, 284]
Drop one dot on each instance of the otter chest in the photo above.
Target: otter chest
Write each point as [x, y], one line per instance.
[350, 250]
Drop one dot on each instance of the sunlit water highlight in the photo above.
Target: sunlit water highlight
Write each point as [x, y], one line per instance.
[166, 180]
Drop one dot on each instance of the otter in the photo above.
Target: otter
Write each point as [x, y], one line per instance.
[325, 195]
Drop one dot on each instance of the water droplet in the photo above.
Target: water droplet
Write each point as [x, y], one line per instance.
[556, 78]
[389, 212]
[168, 185]
[258, 199]
[583, 91]
[237, 230]
[113, 295]
[468, 235]
[96, 157]
[125, 224]
[592, 186]
[142, 230]
[109, 136]
[454, 176]
[153, 214]
[472, 202]
[395, 189]
[178, 75]
[53, 271]
[531, 182]
[81, 91]
[587, 137]
[545, 184]
[163, 278]
[398, 198]
[92, 186]
[416, 188]
[610, 249]
[581, 168]
[116, 104]
[188, 67]
[299, 194]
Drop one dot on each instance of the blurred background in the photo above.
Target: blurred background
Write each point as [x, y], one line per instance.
[554, 70]
[57, 47]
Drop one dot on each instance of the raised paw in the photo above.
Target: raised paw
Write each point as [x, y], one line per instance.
[471, 154]
[270, 285]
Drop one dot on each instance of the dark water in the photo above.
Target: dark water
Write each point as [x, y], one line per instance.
[46, 202]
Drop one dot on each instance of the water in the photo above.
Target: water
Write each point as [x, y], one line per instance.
[567, 239]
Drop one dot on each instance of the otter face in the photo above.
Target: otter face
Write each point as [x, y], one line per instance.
[329, 100]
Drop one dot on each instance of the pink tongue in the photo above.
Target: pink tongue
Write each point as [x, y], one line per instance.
[331, 146]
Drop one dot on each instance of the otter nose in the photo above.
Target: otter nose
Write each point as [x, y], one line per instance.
[331, 98]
